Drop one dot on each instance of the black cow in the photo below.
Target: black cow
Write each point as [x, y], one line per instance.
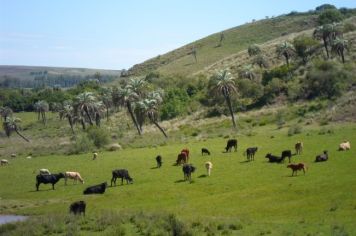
[231, 143]
[77, 208]
[100, 188]
[273, 158]
[188, 169]
[322, 157]
[48, 179]
[205, 151]
[286, 153]
[159, 161]
[250, 152]
[123, 174]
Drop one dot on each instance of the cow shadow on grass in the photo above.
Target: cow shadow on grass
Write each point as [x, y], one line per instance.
[156, 167]
[41, 190]
[246, 161]
[202, 176]
[180, 181]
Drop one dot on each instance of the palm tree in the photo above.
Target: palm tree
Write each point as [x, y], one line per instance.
[338, 46]
[224, 84]
[285, 49]
[68, 112]
[193, 52]
[97, 76]
[327, 33]
[5, 112]
[248, 72]
[107, 99]
[12, 124]
[138, 86]
[99, 109]
[222, 38]
[128, 96]
[42, 107]
[84, 103]
[150, 107]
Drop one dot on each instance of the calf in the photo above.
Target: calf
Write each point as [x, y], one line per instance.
[100, 188]
[345, 146]
[250, 152]
[4, 162]
[73, 175]
[208, 166]
[273, 158]
[205, 151]
[298, 148]
[322, 157]
[182, 158]
[123, 174]
[159, 161]
[95, 155]
[231, 143]
[188, 169]
[77, 208]
[286, 153]
[48, 179]
[44, 172]
[297, 167]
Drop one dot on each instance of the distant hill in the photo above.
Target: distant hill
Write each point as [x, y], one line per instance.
[209, 53]
[33, 76]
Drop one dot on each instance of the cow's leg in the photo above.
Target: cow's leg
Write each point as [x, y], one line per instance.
[52, 186]
[37, 185]
[122, 180]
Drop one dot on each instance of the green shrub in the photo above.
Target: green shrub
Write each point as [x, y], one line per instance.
[294, 129]
[99, 136]
[329, 16]
[82, 144]
[280, 121]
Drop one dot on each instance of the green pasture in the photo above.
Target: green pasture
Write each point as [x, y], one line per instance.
[262, 196]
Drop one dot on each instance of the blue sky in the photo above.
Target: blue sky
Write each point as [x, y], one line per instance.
[116, 34]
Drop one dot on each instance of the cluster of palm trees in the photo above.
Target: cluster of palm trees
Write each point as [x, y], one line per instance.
[89, 108]
[10, 123]
[41, 107]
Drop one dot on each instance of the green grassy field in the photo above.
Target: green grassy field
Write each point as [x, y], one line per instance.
[260, 197]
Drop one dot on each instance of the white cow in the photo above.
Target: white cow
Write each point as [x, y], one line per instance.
[208, 166]
[4, 162]
[44, 172]
[73, 175]
[345, 146]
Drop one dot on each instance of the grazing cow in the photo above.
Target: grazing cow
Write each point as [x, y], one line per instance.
[48, 179]
[123, 174]
[13, 155]
[95, 155]
[188, 169]
[286, 153]
[322, 157]
[77, 208]
[296, 167]
[73, 175]
[4, 162]
[208, 166]
[100, 188]
[231, 143]
[250, 152]
[186, 151]
[298, 148]
[182, 158]
[273, 158]
[44, 172]
[345, 146]
[159, 161]
[205, 151]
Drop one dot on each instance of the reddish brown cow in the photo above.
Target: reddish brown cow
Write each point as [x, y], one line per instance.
[296, 167]
[182, 158]
[186, 150]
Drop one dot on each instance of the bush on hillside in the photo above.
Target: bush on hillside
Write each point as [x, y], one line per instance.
[326, 79]
[82, 144]
[294, 129]
[330, 16]
[175, 103]
[98, 136]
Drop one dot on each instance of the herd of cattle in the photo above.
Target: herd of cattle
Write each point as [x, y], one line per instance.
[45, 177]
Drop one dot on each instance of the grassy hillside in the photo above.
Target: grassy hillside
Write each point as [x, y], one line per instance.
[257, 197]
[236, 40]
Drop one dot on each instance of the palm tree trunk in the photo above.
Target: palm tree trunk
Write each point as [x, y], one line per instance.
[107, 114]
[342, 56]
[71, 123]
[159, 127]
[230, 109]
[21, 135]
[88, 115]
[83, 124]
[129, 108]
[326, 47]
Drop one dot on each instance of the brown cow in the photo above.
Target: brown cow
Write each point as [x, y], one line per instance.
[296, 167]
[182, 158]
